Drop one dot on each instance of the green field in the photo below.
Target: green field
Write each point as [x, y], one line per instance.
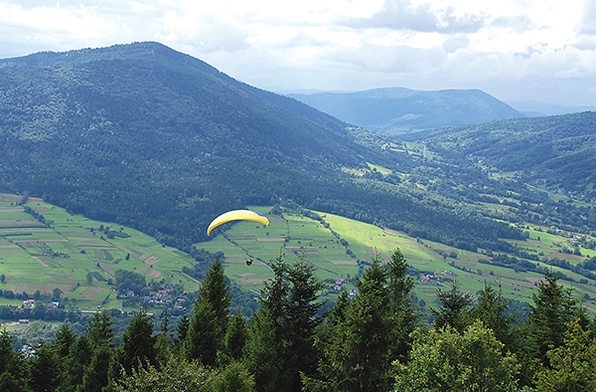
[34, 256]
[61, 254]
[298, 236]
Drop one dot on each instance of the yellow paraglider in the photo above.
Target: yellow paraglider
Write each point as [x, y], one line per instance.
[237, 215]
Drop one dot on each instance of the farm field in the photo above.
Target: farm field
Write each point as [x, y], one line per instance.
[66, 250]
[297, 236]
[71, 253]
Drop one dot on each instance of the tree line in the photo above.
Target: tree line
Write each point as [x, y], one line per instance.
[374, 340]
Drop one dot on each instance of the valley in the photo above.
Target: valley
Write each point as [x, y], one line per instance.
[80, 257]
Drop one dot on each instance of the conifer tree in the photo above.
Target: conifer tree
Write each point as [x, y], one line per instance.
[454, 309]
[301, 322]
[492, 311]
[96, 375]
[282, 332]
[100, 330]
[137, 345]
[403, 313]
[100, 335]
[75, 363]
[357, 357]
[48, 368]
[236, 337]
[552, 308]
[572, 365]
[44, 370]
[210, 317]
[12, 371]
[181, 332]
[162, 344]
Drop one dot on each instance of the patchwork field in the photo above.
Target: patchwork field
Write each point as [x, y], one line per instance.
[67, 249]
[297, 236]
[63, 252]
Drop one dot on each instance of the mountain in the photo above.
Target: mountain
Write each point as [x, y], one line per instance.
[535, 109]
[146, 136]
[399, 110]
[558, 152]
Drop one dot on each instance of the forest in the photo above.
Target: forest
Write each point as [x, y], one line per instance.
[374, 340]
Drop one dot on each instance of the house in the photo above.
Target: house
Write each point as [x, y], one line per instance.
[28, 303]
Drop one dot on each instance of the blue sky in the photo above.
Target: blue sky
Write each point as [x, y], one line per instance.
[516, 50]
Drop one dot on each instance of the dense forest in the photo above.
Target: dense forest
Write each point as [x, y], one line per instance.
[374, 340]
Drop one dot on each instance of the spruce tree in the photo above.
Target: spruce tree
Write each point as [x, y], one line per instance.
[137, 345]
[302, 321]
[357, 357]
[552, 308]
[236, 337]
[265, 352]
[454, 308]
[210, 317]
[181, 332]
[12, 367]
[44, 369]
[492, 311]
[75, 363]
[404, 317]
[100, 335]
[281, 342]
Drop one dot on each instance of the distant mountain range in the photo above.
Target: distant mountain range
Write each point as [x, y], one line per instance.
[400, 110]
[537, 109]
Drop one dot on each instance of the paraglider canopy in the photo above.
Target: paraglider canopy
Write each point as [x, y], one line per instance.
[237, 215]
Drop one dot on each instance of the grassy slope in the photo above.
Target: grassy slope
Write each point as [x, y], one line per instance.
[323, 249]
[34, 256]
[37, 257]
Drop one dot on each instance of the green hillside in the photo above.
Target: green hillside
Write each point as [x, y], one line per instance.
[341, 247]
[78, 256]
[65, 250]
[143, 137]
[557, 154]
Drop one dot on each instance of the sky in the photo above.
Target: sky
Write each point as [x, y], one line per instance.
[515, 50]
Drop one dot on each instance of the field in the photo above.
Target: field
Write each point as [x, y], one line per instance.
[68, 249]
[298, 236]
[65, 251]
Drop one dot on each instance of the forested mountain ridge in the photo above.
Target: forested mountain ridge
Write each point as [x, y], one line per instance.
[557, 152]
[145, 136]
[401, 110]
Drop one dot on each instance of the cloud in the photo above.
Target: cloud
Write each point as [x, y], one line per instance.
[588, 22]
[403, 15]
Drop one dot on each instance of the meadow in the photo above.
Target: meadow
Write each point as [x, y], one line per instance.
[297, 236]
[75, 255]
[72, 254]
